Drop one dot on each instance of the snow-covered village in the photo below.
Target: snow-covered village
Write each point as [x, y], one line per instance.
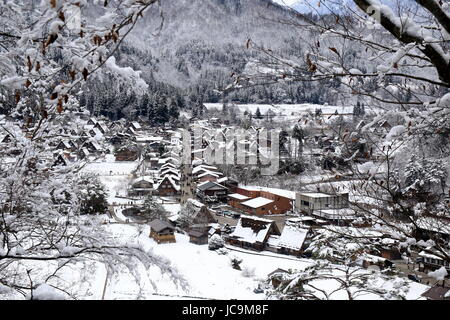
[294, 151]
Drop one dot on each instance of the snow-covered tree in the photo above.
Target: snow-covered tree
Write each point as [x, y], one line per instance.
[215, 242]
[325, 281]
[391, 56]
[152, 210]
[92, 195]
[48, 50]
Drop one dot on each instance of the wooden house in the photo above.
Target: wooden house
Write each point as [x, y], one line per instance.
[200, 214]
[83, 153]
[101, 126]
[162, 231]
[168, 187]
[230, 184]
[430, 262]
[61, 160]
[118, 139]
[211, 189]
[390, 249]
[141, 186]
[94, 132]
[154, 163]
[375, 262]
[92, 122]
[290, 242]
[168, 171]
[127, 153]
[252, 233]
[208, 176]
[198, 237]
[5, 138]
[341, 217]
[66, 145]
[92, 146]
[131, 132]
[258, 206]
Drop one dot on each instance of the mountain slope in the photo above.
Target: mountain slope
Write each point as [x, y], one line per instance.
[201, 37]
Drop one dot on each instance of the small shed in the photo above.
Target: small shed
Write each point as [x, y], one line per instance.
[162, 231]
[198, 237]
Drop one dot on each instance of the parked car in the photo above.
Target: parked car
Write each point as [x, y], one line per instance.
[236, 215]
[227, 213]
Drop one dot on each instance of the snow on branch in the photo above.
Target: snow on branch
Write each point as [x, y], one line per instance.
[407, 31]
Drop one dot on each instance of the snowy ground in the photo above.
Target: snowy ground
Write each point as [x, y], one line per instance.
[115, 175]
[284, 109]
[209, 274]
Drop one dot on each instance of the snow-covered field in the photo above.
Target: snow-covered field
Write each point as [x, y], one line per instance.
[109, 167]
[208, 274]
[284, 109]
[115, 175]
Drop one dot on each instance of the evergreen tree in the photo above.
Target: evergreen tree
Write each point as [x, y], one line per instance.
[225, 109]
[258, 114]
[143, 106]
[174, 112]
[162, 114]
[92, 195]
[357, 110]
[299, 135]
[151, 110]
[152, 210]
[283, 139]
[318, 112]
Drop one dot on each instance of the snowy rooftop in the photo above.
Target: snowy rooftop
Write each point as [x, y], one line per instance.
[429, 255]
[316, 194]
[300, 219]
[279, 192]
[249, 234]
[222, 179]
[209, 173]
[195, 202]
[143, 178]
[338, 212]
[171, 179]
[136, 125]
[238, 196]
[257, 202]
[148, 139]
[291, 238]
[203, 167]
